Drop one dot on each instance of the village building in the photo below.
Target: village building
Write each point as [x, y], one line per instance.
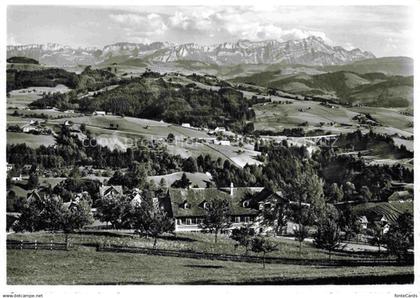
[136, 197]
[363, 222]
[221, 142]
[34, 126]
[26, 168]
[111, 191]
[401, 196]
[99, 113]
[17, 178]
[220, 129]
[188, 206]
[9, 167]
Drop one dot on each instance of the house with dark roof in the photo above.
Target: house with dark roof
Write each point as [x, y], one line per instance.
[189, 207]
[401, 196]
[110, 191]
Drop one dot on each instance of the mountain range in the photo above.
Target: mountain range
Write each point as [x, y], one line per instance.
[312, 51]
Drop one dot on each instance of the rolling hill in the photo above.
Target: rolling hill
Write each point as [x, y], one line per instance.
[373, 89]
[403, 66]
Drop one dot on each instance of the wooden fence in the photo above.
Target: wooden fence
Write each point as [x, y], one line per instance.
[20, 244]
[251, 259]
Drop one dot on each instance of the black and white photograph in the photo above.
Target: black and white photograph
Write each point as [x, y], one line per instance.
[230, 145]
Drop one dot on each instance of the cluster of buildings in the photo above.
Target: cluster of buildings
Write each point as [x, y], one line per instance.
[188, 207]
[33, 126]
[246, 205]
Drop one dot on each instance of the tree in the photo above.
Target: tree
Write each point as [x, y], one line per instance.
[138, 174]
[217, 217]
[349, 190]
[243, 236]
[13, 202]
[113, 209]
[184, 182]
[348, 222]
[170, 138]
[162, 184]
[336, 193]
[263, 245]
[150, 219]
[328, 235]
[300, 234]
[33, 181]
[400, 237]
[190, 165]
[75, 217]
[366, 194]
[377, 234]
[50, 213]
[276, 214]
[306, 190]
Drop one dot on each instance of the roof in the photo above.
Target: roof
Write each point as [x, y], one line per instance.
[400, 195]
[34, 195]
[136, 200]
[363, 219]
[105, 190]
[196, 197]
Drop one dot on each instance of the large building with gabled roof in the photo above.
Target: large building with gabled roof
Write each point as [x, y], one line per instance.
[188, 206]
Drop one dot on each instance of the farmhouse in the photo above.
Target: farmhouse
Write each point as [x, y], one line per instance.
[220, 129]
[99, 113]
[403, 195]
[17, 178]
[35, 195]
[188, 206]
[34, 126]
[136, 197]
[363, 222]
[110, 191]
[29, 127]
[9, 167]
[26, 168]
[221, 142]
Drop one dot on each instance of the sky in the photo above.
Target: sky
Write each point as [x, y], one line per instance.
[382, 30]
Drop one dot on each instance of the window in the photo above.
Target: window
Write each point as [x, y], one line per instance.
[245, 204]
[237, 219]
[186, 205]
[188, 221]
[206, 205]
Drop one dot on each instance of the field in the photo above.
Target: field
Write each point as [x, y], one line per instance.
[22, 97]
[195, 178]
[199, 242]
[31, 140]
[130, 130]
[83, 265]
[88, 267]
[278, 116]
[390, 210]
